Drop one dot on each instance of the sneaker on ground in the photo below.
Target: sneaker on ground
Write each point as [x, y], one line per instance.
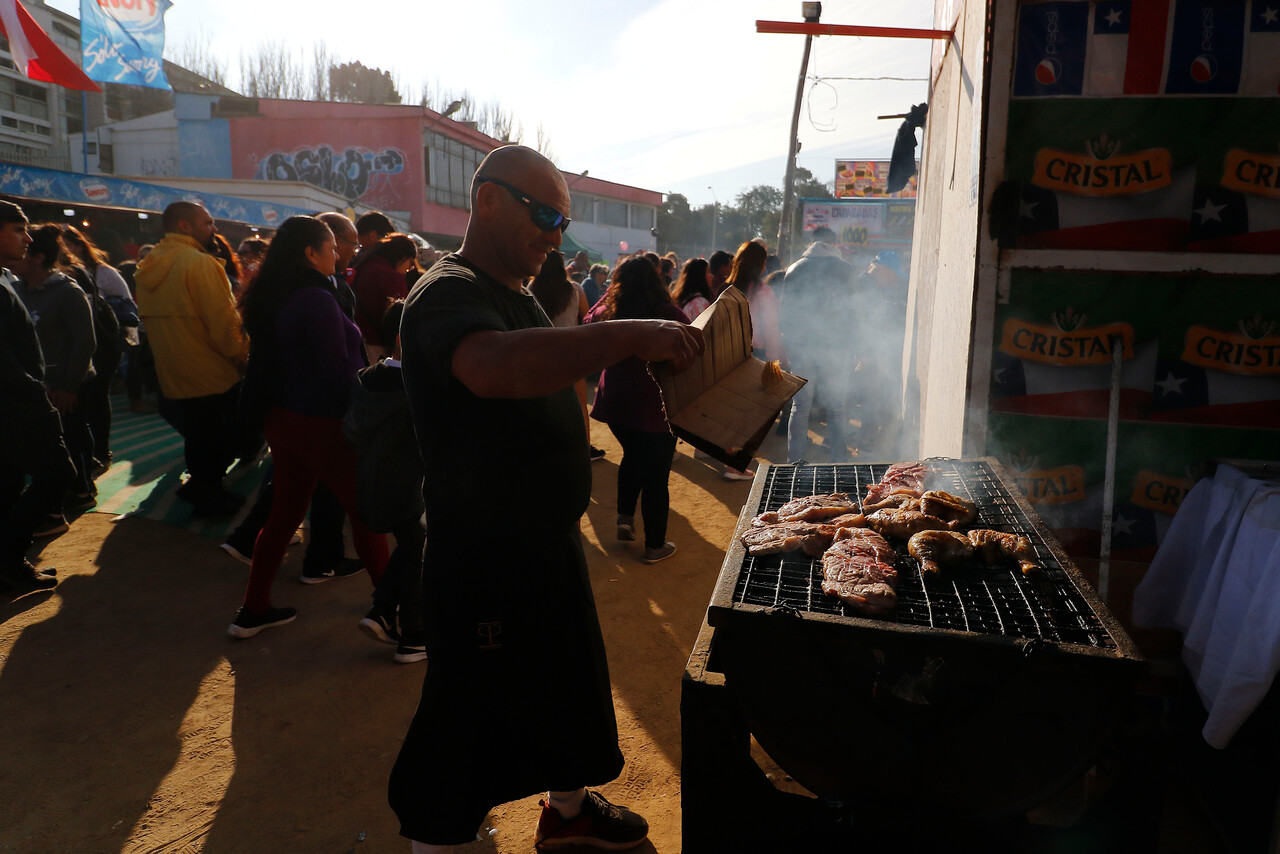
[344, 568]
[380, 626]
[734, 474]
[407, 653]
[51, 526]
[662, 552]
[246, 625]
[599, 825]
[626, 528]
[596, 454]
[81, 500]
[23, 576]
[233, 549]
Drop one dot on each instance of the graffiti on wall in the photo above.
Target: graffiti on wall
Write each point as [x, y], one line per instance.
[351, 173]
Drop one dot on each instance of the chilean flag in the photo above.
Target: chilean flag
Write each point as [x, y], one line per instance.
[35, 54]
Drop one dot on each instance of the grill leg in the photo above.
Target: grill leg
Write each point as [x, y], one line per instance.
[728, 803]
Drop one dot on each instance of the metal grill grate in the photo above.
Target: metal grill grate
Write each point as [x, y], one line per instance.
[994, 601]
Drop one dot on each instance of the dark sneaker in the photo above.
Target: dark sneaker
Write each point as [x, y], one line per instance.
[662, 552]
[599, 825]
[246, 625]
[51, 526]
[407, 653]
[344, 568]
[24, 576]
[81, 500]
[626, 528]
[380, 626]
[596, 454]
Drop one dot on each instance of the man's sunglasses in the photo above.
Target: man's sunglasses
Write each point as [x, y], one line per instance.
[544, 216]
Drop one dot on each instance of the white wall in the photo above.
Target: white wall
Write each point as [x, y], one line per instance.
[944, 257]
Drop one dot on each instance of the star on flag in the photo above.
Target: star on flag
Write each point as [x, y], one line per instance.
[1270, 15]
[1123, 525]
[1027, 209]
[1210, 212]
[1112, 17]
[1171, 384]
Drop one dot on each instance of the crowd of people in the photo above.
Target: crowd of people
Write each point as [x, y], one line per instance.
[394, 388]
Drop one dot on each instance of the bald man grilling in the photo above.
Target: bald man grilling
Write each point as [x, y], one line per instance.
[516, 699]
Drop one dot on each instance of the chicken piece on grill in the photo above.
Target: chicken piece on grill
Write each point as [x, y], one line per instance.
[903, 524]
[809, 508]
[994, 547]
[934, 548]
[858, 570]
[809, 537]
[948, 507]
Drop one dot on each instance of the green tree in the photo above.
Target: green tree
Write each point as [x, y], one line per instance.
[356, 83]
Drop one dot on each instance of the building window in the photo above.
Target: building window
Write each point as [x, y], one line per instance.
[583, 209]
[27, 99]
[643, 216]
[611, 213]
[449, 166]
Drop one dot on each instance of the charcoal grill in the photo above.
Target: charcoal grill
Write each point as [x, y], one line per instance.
[983, 694]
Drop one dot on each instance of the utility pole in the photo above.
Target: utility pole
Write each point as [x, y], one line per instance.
[812, 13]
[715, 218]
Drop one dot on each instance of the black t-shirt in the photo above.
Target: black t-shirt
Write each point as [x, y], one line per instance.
[516, 466]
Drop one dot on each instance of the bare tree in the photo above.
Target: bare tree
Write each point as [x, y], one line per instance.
[196, 54]
[275, 72]
[544, 144]
[321, 68]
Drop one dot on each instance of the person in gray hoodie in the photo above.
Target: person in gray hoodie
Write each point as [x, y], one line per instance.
[64, 324]
[389, 474]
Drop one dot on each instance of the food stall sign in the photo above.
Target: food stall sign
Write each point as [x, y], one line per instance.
[868, 179]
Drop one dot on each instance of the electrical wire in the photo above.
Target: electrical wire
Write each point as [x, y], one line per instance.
[908, 79]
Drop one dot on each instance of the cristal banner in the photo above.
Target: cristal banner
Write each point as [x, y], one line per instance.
[1144, 174]
[1196, 349]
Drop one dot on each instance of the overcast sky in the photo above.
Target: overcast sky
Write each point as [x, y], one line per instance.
[669, 95]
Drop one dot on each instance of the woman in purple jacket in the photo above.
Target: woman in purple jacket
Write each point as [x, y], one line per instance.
[308, 354]
[628, 400]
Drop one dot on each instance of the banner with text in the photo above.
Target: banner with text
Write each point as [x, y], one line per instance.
[1144, 174]
[122, 41]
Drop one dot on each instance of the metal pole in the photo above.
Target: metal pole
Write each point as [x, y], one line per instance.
[84, 130]
[715, 219]
[788, 183]
[1109, 478]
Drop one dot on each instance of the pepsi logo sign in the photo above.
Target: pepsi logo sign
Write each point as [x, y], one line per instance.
[1048, 71]
[95, 191]
[270, 215]
[139, 14]
[1204, 68]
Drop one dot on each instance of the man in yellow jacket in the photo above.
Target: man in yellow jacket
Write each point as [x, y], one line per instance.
[184, 299]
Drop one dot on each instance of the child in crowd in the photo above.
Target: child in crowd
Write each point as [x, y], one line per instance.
[389, 474]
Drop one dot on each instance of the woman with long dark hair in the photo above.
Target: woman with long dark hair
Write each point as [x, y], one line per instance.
[304, 354]
[692, 291]
[628, 400]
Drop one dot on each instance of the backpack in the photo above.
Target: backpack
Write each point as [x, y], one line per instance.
[106, 326]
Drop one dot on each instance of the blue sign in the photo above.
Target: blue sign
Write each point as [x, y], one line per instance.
[1052, 39]
[122, 41]
[30, 182]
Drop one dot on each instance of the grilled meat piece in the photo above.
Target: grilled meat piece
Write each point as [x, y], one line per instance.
[848, 520]
[900, 478]
[858, 570]
[933, 548]
[897, 501]
[948, 507]
[810, 508]
[995, 547]
[902, 524]
[809, 537]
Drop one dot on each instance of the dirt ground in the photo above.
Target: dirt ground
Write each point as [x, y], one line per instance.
[135, 724]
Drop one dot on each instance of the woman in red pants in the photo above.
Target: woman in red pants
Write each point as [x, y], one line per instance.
[304, 356]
